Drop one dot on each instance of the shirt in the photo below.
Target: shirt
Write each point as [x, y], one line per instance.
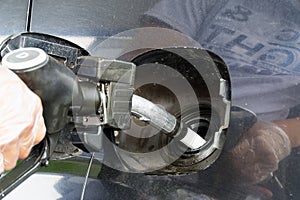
[258, 40]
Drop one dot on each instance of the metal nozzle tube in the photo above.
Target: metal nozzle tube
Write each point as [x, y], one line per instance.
[161, 119]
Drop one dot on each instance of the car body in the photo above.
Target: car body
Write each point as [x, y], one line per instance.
[104, 29]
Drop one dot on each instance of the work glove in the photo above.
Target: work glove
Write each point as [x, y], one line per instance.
[21, 123]
[259, 152]
[254, 159]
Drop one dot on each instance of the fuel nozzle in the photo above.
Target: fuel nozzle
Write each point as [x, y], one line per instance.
[54, 83]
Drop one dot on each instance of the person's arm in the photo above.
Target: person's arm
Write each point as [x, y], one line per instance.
[21, 123]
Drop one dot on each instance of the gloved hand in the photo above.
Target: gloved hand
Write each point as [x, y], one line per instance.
[21, 122]
[259, 152]
[256, 155]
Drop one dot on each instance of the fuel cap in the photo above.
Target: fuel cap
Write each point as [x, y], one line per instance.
[25, 59]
